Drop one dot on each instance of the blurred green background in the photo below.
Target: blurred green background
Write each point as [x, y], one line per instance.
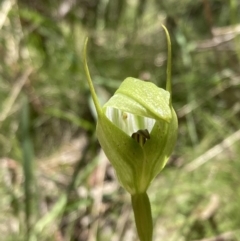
[55, 182]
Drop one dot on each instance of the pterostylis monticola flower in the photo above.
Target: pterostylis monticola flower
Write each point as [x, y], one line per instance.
[137, 129]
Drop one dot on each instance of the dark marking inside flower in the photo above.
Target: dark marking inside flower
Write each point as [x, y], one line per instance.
[141, 136]
[124, 115]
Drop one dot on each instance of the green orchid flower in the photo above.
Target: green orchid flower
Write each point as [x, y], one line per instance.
[137, 129]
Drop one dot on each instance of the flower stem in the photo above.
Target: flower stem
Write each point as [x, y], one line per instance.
[143, 216]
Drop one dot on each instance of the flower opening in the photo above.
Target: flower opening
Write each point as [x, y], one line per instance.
[128, 122]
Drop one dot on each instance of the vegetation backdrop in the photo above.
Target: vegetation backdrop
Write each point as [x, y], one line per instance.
[55, 182]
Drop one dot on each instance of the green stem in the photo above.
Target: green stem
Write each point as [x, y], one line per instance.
[93, 93]
[169, 63]
[143, 216]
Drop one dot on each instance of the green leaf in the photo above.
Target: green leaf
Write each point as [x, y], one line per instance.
[159, 148]
[124, 153]
[141, 98]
